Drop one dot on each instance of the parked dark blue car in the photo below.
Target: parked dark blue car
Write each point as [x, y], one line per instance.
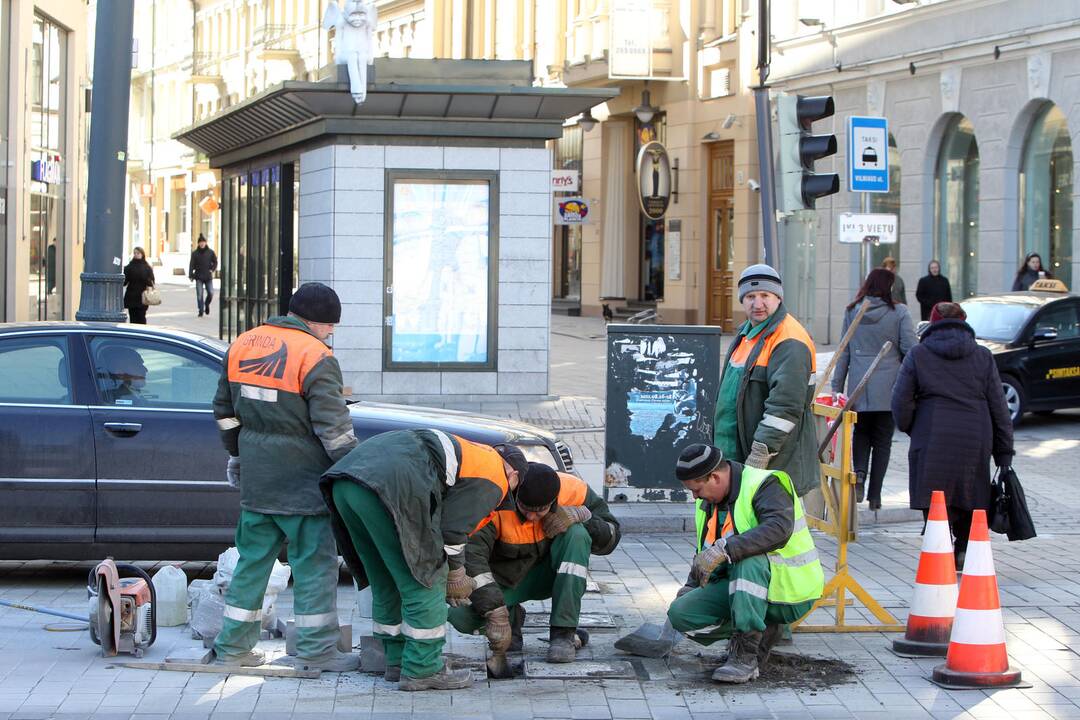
[91, 467]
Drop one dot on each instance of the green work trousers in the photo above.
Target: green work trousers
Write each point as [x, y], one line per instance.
[559, 576]
[408, 618]
[733, 601]
[313, 559]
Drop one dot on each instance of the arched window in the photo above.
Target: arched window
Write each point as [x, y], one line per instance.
[1046, 186]
[888, 203]
[956, 203]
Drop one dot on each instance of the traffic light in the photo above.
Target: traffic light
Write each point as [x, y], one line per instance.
[799, 148]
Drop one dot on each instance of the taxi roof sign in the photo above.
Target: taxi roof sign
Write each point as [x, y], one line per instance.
[1048, 285]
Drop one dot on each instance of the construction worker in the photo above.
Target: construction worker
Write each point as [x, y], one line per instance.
[403, 505]
[756, 568]
[763, 410]
[282, 416]
[536, 547]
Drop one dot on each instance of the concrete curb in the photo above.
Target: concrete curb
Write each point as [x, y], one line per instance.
[634, 519]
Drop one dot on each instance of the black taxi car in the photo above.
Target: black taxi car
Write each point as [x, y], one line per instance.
[1035, 338]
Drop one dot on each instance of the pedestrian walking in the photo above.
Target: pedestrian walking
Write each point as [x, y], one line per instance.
[138, 276]
[756, 567]
[201, 269]
[763, 412]
[948, 398]
[899, 292]
[404, 504]
[536, 547]
[282, 416]
[885, 320]
[933, 288]
[1031, 270]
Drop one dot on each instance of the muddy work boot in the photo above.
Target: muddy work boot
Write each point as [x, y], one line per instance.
[564, 645]
[769, 638]
[252, 658]
[332, 661]
[517, 627]
[742, 660]
[392, 673]
[445, 679]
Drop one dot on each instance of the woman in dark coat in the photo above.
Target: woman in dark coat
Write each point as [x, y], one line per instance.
[138, 275]
[948, 398]
[933, 288]
[1029, 272]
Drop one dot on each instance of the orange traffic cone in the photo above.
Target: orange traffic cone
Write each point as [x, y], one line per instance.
[932, 607]
[977, 657]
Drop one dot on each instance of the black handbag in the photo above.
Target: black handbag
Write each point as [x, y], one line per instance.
[1009, 513]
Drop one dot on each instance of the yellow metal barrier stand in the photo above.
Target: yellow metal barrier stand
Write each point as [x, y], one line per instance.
[841, 521]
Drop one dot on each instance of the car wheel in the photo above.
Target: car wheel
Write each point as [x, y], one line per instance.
[1014, 397]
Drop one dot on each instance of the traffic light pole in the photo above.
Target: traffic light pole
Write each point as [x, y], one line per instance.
[102, 277]
[764, 138]
[867, 254]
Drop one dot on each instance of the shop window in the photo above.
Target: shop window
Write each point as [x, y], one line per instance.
[1046, 188]
[440, 299]
[956, 202]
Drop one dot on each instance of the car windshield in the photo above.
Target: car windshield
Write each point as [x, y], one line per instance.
[996, 320]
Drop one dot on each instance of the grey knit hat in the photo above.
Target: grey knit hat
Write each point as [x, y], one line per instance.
[697, 461]
[760, 277]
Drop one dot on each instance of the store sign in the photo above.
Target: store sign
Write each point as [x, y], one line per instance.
[653, 170]
[879, 229]
[564, 180]
[49, 172]
[630, 39]
[573, 211]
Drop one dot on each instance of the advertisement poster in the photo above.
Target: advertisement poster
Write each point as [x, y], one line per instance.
[439, 288]
[662, 383]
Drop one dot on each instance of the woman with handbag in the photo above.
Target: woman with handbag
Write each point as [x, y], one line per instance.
[138, 279]
[948, 398]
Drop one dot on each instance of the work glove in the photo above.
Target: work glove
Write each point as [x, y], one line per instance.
[706, 561]
[498, 629]
[459, 586]
[561, 518]
[759, 455]
[232, 471]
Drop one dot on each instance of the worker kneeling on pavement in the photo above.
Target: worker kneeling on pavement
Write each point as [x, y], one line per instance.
[403, 504]
[281, 411]
[756, 569]
[536, 547]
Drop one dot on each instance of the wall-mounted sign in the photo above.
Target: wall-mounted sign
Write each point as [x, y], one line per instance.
[653, 169]
[49, 172]
[573, 211]
[879, 228]
[868, 154]
[630, 39]
[564, 180]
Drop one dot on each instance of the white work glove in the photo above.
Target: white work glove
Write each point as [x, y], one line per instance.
[232, 471]
[759, 455]
[706, 561]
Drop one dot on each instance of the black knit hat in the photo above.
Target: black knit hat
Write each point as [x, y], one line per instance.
[514, 458]
[317, 303]
[539, 488]
[697, 461]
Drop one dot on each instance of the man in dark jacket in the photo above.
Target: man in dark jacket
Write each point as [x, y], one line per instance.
[404, 504]
[201, 269]
[282, 416]
[536, 547]
[756, 568]
[763, 416]
[948, 398]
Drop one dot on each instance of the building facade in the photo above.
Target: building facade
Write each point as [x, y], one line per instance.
[43, 136]
[983, 114]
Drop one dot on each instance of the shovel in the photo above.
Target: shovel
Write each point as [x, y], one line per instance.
[650, 640]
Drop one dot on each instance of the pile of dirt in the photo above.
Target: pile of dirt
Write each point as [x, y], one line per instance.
[784, 670]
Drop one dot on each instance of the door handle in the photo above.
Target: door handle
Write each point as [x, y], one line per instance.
[123, 428]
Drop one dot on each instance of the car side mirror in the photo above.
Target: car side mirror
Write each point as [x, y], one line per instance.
[1044, 334]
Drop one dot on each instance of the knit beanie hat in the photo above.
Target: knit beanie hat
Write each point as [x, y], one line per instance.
[697, 461]
[539, 488]
[947, 311]
[316, 303]
[760, 277]
[513, 457]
